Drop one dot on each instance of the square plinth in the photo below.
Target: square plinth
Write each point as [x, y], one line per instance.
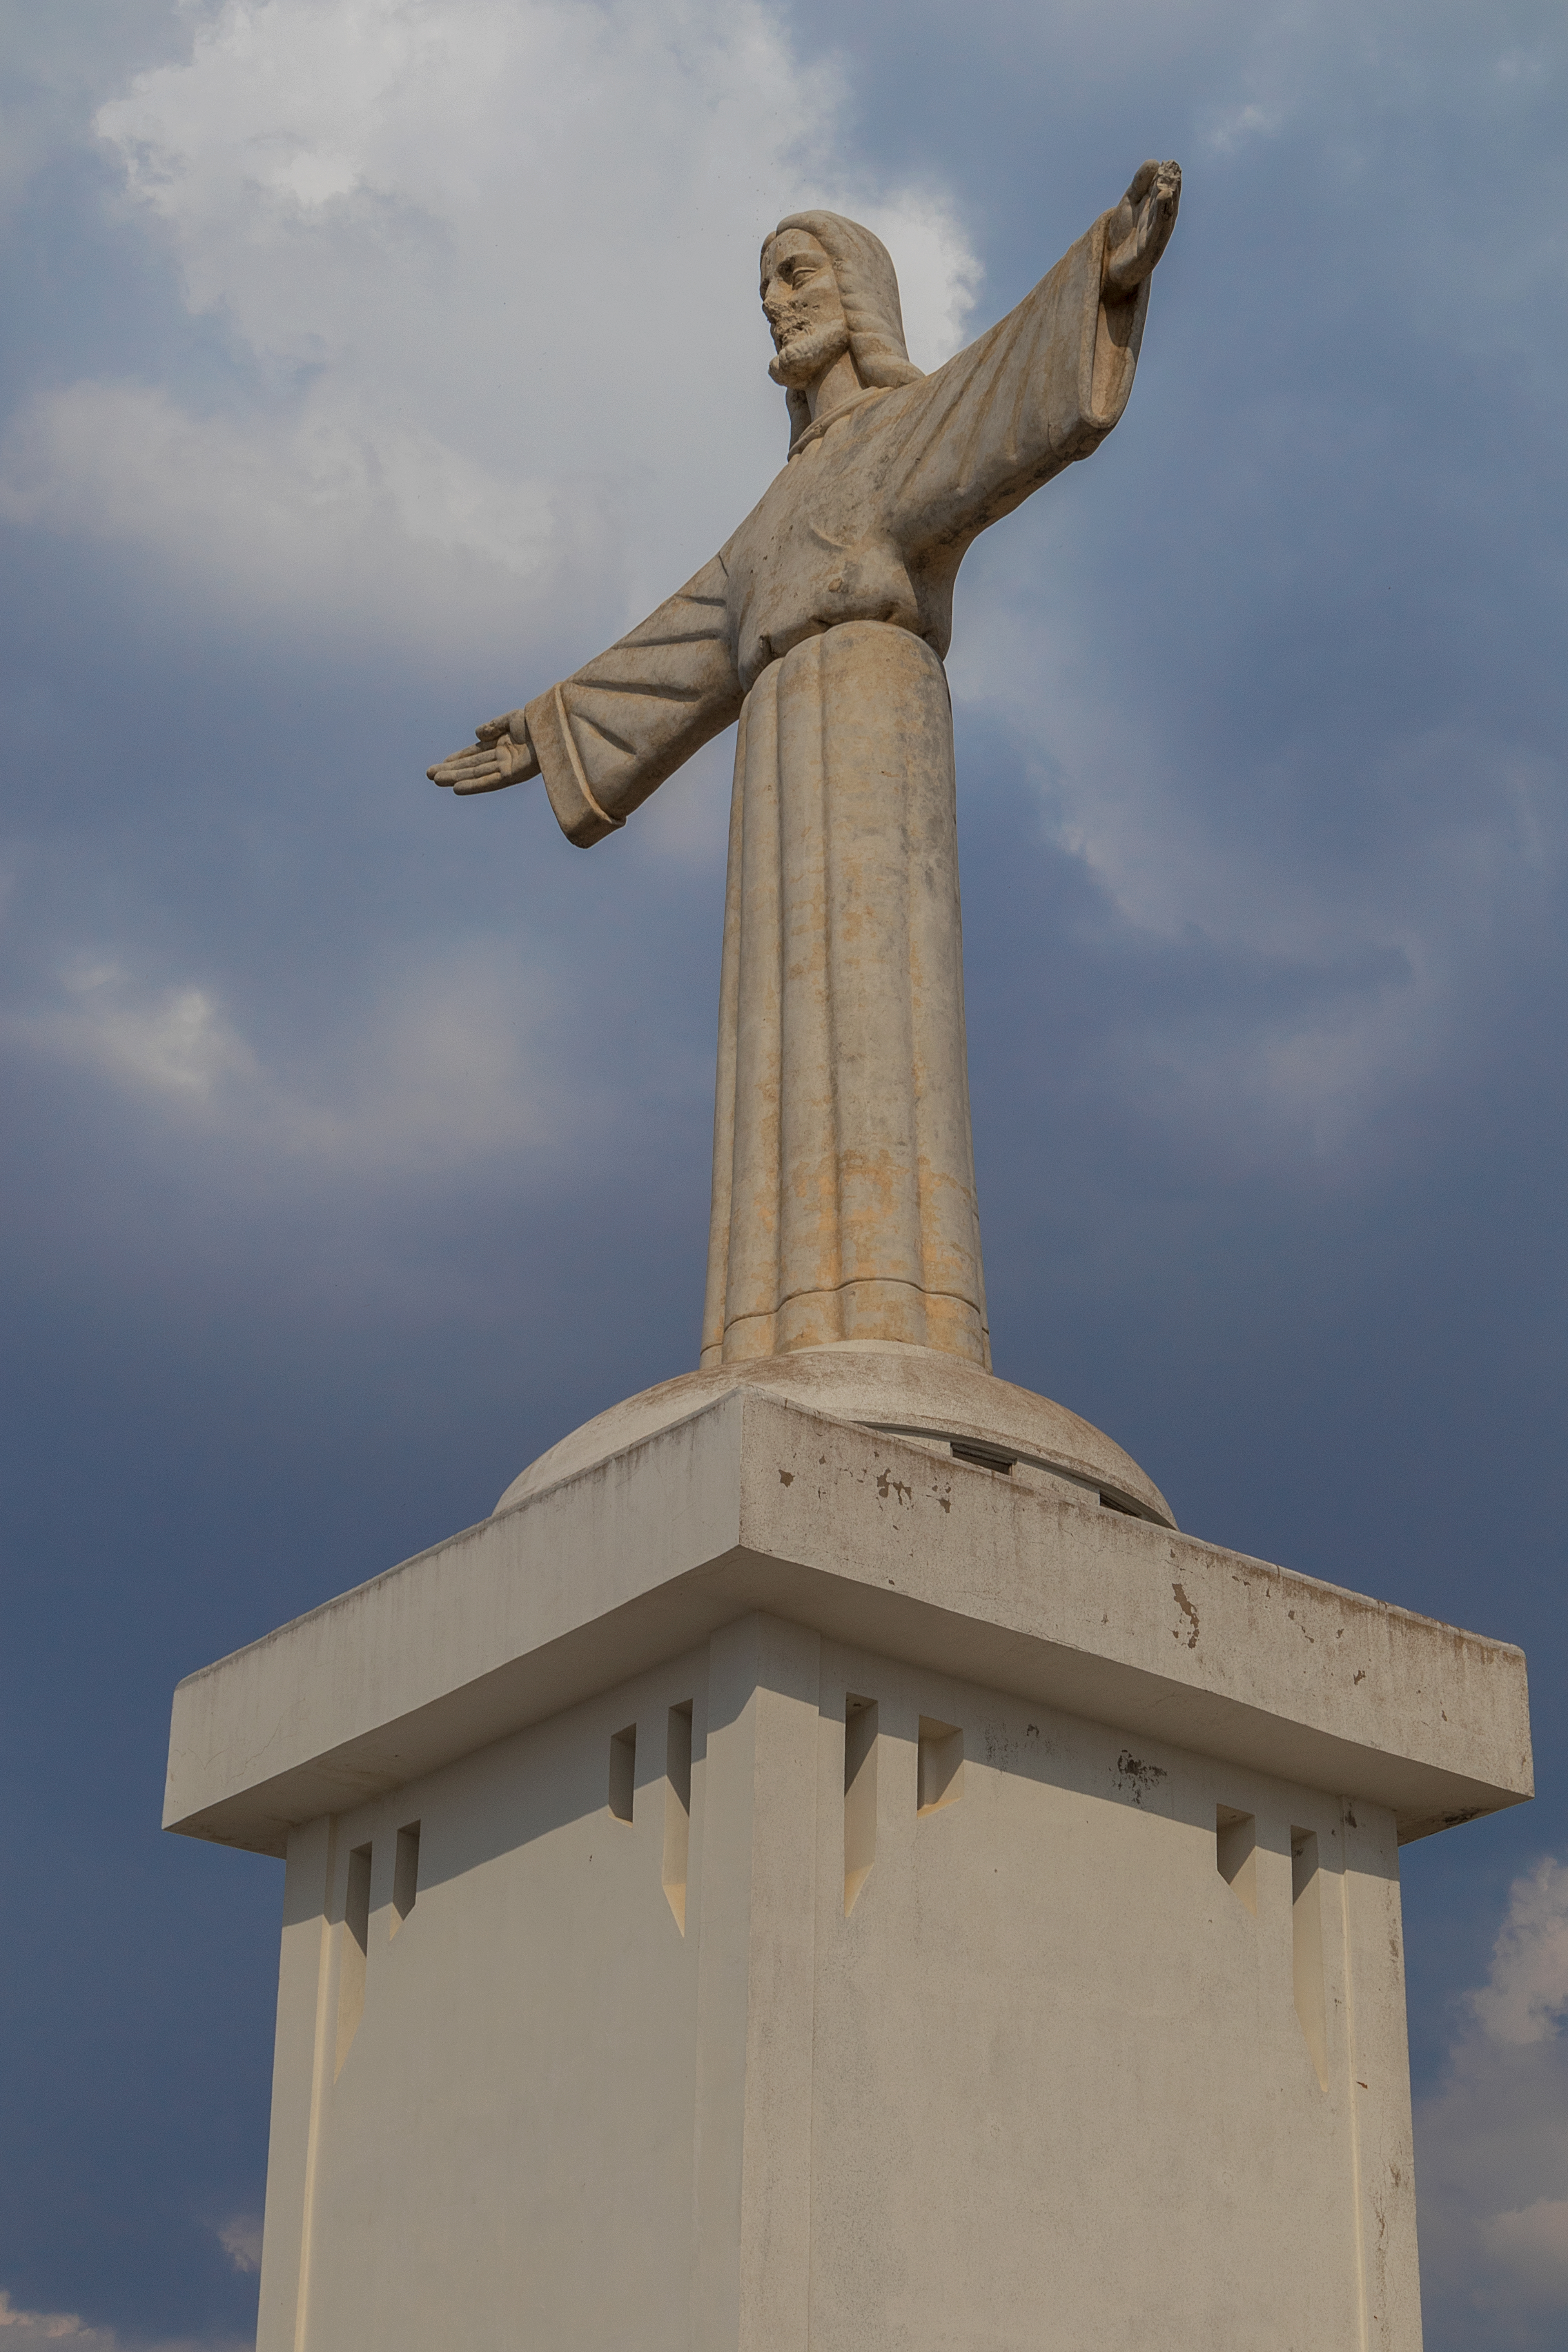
[782, 1888]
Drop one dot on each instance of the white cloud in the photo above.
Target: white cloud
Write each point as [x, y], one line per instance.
[174, 1041]
[492, 269]
[453, 1060]
[1531, 2247]
[32, 2331]
[299, 514]
[1239, 125]
[1526, 1993]
[1492, 2144]
[240, 2238]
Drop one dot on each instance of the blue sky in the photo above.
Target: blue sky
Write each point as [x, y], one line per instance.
[368, 365]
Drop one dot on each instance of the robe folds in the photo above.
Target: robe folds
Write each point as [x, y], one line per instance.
[844, 1204]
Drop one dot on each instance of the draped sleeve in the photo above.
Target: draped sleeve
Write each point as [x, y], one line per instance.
[1040, 390]
[610, 734]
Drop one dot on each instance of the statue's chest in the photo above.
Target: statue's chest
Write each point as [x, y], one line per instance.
[818, 550]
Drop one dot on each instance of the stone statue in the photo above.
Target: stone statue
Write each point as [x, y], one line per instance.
[844, 1203]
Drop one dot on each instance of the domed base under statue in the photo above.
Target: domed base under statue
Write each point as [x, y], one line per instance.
[924, 1393]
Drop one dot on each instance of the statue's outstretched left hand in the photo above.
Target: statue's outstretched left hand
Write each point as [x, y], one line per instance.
[501, 754]
[1141, 226]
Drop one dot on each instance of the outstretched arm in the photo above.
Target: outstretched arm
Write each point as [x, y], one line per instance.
[1039, 390]
[610, 734]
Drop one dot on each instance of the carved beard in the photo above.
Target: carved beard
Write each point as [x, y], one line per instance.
[801, 359]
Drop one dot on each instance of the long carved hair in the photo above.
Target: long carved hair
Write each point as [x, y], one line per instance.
[869, 289]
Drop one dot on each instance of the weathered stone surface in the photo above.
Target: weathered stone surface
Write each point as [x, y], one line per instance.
[1018, 1580]
[777, 1888]
[844, 1203]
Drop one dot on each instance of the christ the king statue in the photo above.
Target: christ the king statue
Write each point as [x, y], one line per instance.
[844, 1203]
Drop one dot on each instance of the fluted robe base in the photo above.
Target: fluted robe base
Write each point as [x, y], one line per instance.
[844, 1203]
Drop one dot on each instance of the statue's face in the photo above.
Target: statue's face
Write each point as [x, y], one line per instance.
[804, 308]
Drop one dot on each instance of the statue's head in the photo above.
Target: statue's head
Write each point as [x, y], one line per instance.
[829, 287]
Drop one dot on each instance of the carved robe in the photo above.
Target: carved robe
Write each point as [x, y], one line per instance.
[844, 1203]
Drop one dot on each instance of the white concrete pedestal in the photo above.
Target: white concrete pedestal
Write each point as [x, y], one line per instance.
[781, 1885]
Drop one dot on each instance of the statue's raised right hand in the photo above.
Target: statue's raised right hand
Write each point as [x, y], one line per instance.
[500, 755]
[1139, 228]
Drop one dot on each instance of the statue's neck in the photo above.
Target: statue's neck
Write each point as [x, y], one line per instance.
[836, 384]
